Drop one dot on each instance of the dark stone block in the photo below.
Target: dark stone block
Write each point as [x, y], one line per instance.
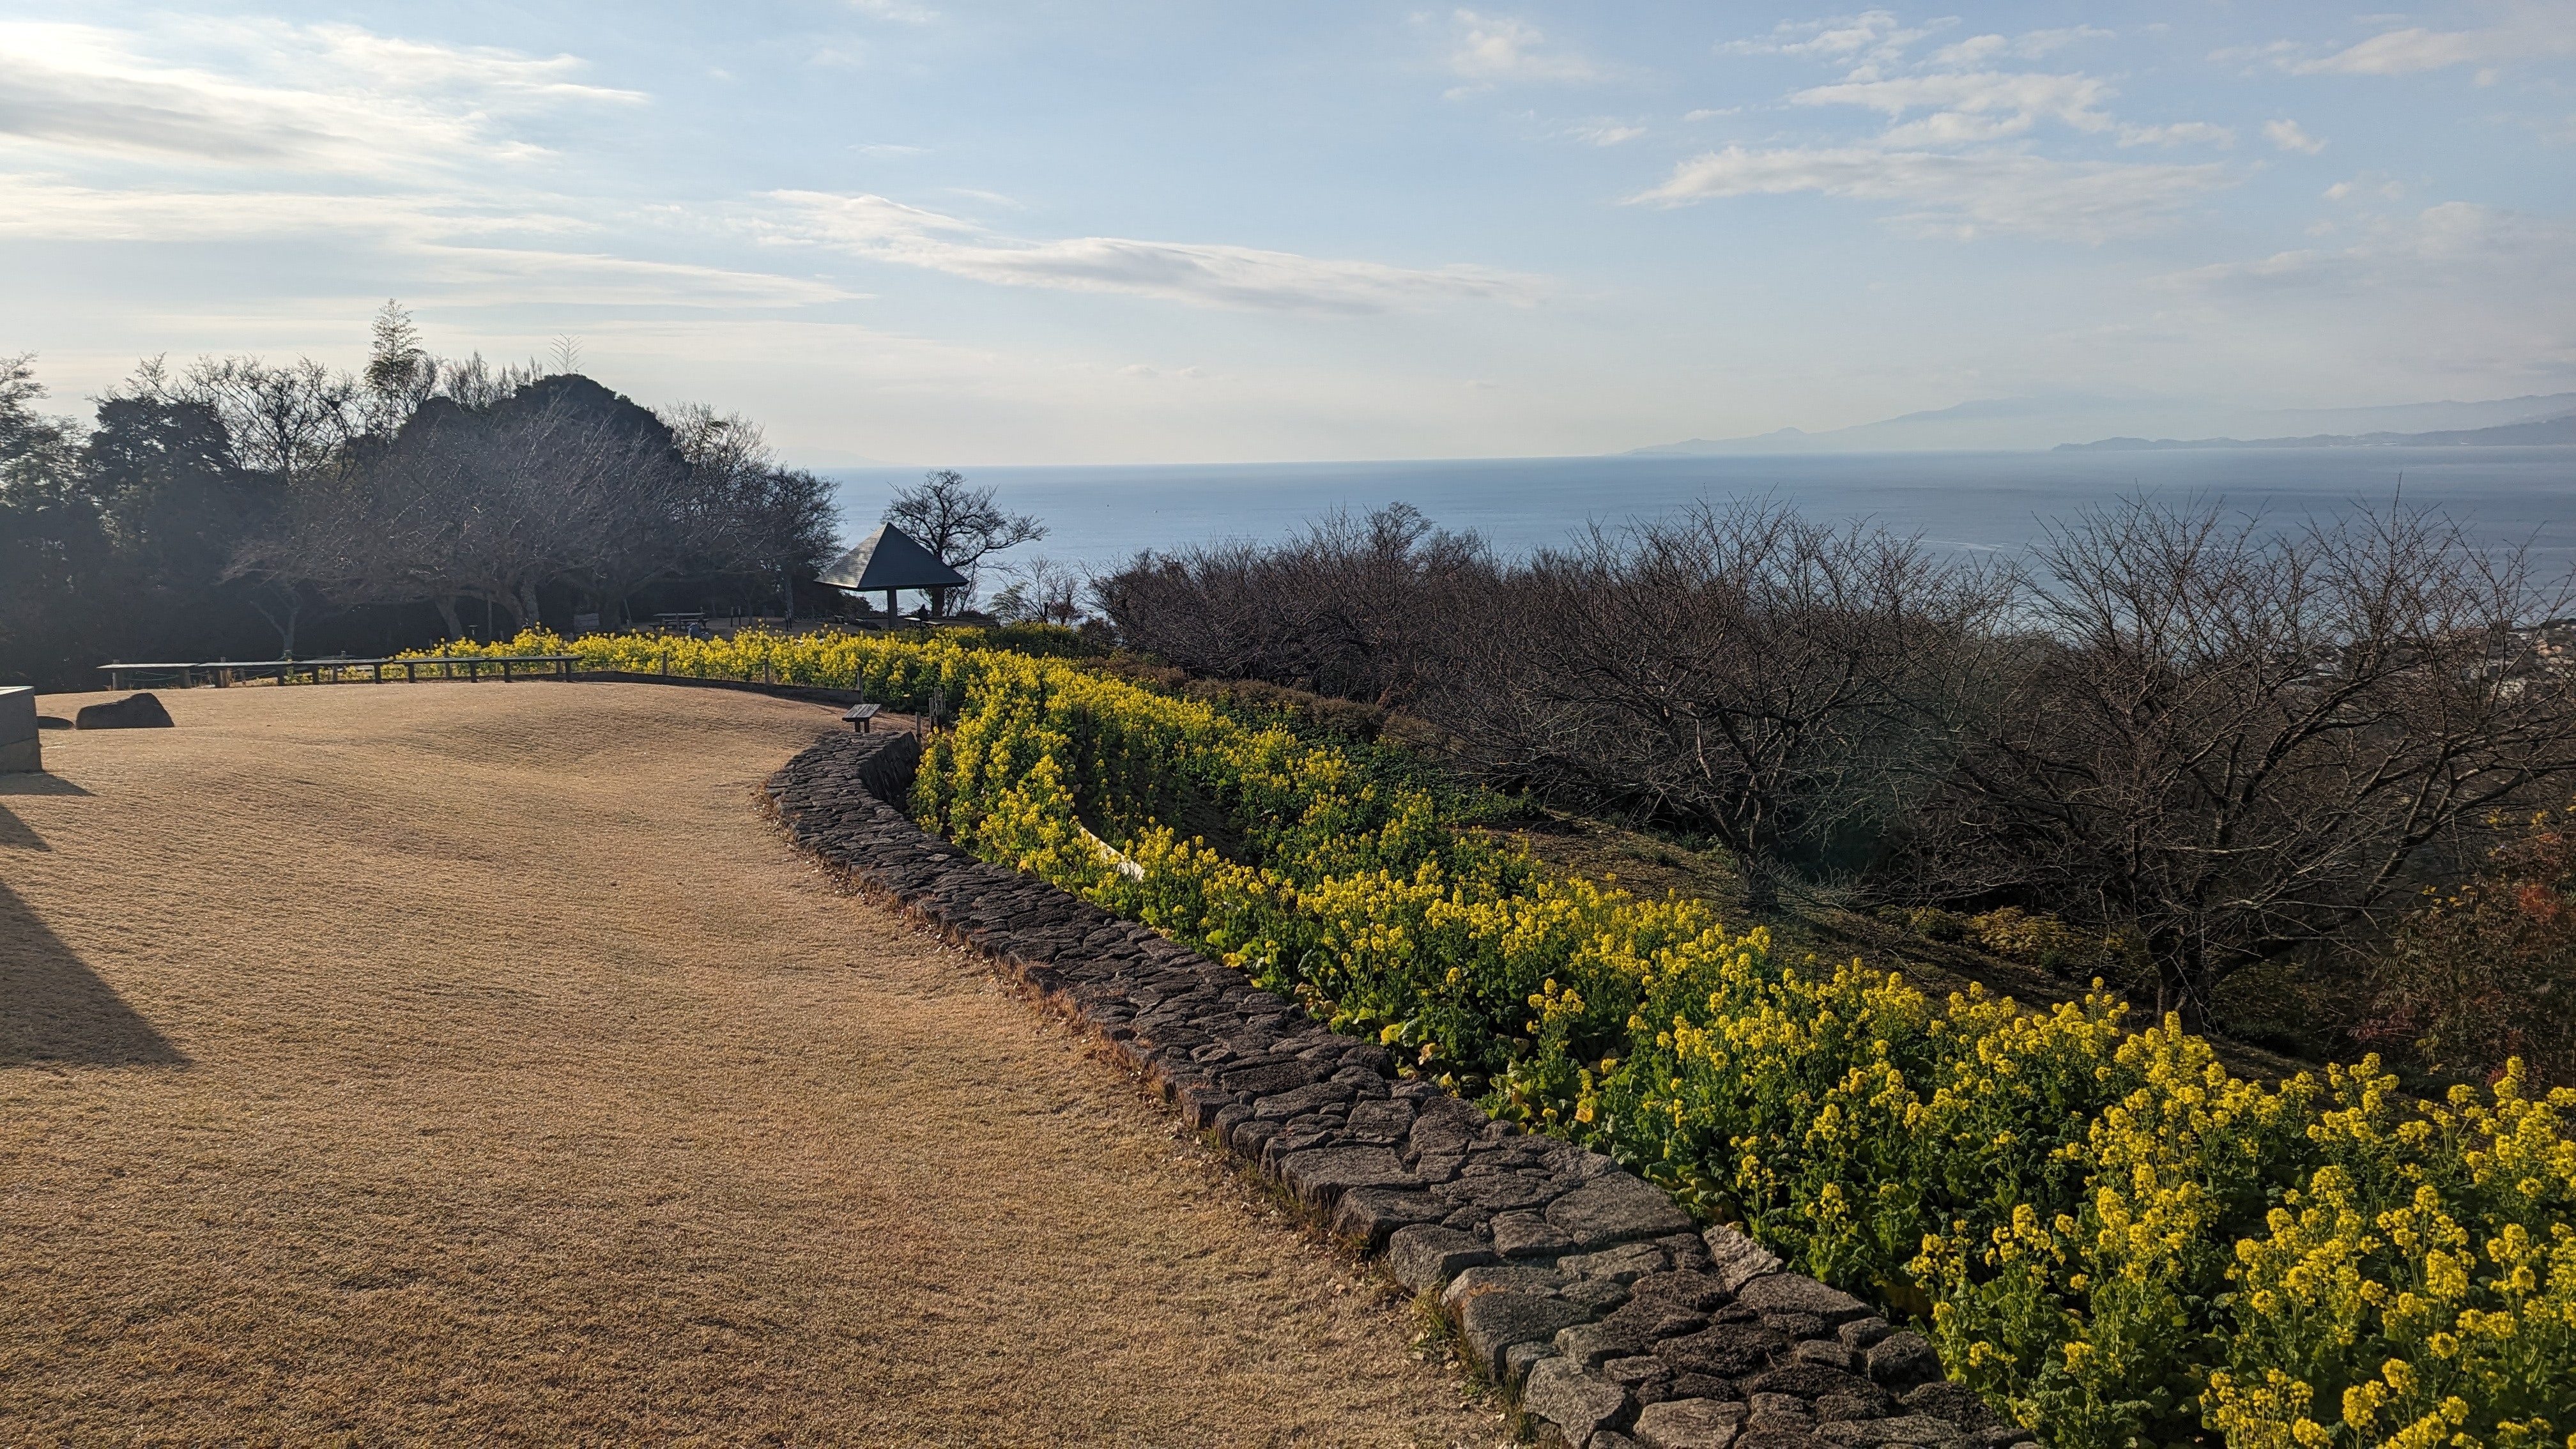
[1807, 1381]
[1902, 1360]
[1527, 1235]
[1601, 1295]
[1690, 1423]
[1860, 1333]
[1424, 1256]
[1387, 1121]
[1493, 1322]
[1268, 1079]
[1705, 1386]
[1831, 1408]
[1616, 1209]
[1497, 1192]
[1789, 1293]
[1735, 1259]
[134, 712]
[1319, 1176]
[1578, 1403]
[1373, 1214]
[1728, 1351]
[1698, 1292]
[1657, 1318]
[1913, 1429]
[1300, 1101]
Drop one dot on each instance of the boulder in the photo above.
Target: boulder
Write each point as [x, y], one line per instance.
[134, 712]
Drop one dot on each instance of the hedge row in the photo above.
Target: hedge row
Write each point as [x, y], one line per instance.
[2107, 1233]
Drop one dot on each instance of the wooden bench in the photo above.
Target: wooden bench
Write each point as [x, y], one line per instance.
[862, 717]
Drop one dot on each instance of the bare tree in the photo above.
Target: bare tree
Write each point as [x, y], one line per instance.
[293, 422]
[1042, 591]
[2235, 742]
[1738, 671]
[749, 518]
[961, 524]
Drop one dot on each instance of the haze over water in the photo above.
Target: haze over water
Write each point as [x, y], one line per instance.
[1102, 515]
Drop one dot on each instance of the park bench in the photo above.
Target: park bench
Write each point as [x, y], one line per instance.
[862, 717]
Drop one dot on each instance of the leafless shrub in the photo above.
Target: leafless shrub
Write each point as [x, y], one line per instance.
[1737, 671]
[2238, 742]
[1354, 607]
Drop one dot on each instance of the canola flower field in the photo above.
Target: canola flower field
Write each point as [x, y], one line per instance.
[2115, 1239]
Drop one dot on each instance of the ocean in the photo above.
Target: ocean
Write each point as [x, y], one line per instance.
[1101, 516]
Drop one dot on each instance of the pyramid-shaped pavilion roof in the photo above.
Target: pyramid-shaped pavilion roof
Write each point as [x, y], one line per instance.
[891, 559]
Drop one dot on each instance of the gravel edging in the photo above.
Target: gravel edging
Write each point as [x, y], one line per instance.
[1565, 1275]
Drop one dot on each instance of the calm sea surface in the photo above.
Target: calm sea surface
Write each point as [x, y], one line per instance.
[1103, 515]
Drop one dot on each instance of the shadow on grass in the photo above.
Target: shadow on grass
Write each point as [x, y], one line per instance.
[53, 1008]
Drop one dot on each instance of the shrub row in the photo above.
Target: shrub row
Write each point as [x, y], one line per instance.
[2108, 1234]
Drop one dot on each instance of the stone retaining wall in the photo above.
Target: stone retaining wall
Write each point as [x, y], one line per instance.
[1583, 1284]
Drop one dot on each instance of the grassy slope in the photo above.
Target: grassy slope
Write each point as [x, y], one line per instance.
[475, 1063]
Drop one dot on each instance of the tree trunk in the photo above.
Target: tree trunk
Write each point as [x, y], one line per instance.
[1761, 876]
[447, 616]
[283, 620]
[526, 607]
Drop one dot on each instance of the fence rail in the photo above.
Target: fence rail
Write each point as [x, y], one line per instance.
[221, 672]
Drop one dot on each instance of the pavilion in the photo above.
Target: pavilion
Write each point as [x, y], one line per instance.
[890, 559]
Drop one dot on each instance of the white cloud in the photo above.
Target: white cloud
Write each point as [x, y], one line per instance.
[456, 255]
[2180, 133]
[895, 10]
[324, 99]
[1605, 131]
[2288, 136]
[1873, 37]
[2530, 32]
[1978, 49]
[1193, 273]
[1498, 48]
[1972, 105]
[2453, 289]
[1989, 192]
[2367, 184]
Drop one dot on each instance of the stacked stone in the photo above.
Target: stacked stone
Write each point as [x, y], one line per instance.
[1563, 1272]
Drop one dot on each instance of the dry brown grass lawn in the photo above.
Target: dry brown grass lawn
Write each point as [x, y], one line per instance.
[451, 1063]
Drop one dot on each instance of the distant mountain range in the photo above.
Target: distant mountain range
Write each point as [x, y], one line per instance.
[2033, 423]
[2539, 434]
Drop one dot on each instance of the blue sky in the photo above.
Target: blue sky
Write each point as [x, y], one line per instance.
[1047, 233]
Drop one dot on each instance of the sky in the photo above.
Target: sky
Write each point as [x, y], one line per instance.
[922, 232]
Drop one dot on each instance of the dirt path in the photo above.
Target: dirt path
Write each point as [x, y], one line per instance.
[462, 1062]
